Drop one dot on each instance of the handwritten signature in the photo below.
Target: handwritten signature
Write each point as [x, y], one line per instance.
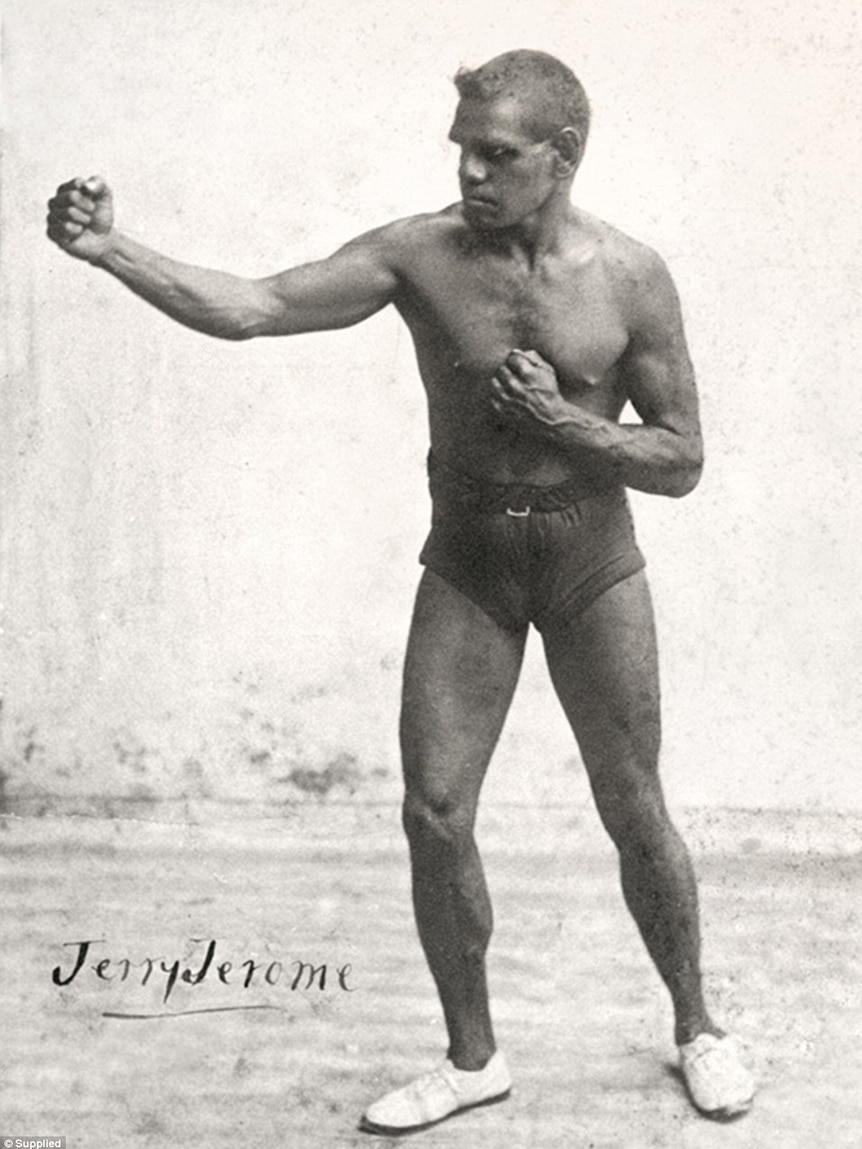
[297, 974]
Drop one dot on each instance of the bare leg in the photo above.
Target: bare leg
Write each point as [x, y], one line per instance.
[605, 670]
[460, 673]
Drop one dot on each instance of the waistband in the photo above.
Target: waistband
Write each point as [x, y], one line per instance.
[449, 485]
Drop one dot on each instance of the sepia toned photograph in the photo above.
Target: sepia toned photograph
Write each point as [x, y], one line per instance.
[430, 652]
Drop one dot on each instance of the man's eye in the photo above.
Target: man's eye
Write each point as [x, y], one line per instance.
[498, 154]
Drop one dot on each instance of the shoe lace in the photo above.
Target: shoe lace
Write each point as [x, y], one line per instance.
[429, 1083]
[718, 1058]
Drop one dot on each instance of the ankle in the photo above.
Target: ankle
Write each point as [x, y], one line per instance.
[686, 1032]
[470, 1061]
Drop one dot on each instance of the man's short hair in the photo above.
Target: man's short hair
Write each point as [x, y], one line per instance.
[552, 94]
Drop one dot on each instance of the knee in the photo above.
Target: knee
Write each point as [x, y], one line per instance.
[436, 817]
[633, 812]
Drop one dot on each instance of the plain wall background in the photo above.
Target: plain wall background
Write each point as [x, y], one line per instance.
[209, 550]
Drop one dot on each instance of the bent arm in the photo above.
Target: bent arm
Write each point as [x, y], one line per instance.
[664, 453]
[649, 457]
[336, 292]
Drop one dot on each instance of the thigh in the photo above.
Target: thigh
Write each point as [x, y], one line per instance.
[460, 672]
[604, 667]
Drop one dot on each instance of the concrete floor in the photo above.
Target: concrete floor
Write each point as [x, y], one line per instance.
[579, 1011]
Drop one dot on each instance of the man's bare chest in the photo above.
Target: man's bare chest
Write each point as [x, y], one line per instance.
[467, 319]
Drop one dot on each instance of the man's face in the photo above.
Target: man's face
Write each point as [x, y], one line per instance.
[505, 174]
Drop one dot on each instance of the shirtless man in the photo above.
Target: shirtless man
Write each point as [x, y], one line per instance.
[534, 323]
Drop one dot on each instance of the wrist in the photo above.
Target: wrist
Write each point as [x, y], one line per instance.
[100, 257]
[572, 425]
[565, 419]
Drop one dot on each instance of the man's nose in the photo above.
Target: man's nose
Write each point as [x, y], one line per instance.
[471, 169]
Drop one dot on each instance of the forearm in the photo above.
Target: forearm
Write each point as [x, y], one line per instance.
[349, 286]
[663, 455]
[657, 460]
[212, 302]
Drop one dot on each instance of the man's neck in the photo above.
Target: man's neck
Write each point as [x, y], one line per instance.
[546, 233]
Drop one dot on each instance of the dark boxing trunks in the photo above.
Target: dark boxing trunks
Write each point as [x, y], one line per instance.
[525, 553]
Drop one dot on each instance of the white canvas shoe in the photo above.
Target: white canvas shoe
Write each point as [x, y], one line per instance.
[437, 1095]
[718, 1083]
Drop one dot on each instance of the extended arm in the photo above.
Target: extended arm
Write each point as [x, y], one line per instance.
[661, 455]
[349, 286]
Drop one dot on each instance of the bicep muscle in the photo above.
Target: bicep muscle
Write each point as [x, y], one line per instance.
[349, 286]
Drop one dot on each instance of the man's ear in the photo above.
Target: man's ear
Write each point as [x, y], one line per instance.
[569, 147]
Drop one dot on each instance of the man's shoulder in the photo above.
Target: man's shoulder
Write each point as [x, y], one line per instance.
[624, 255]
[404, 237]
[639, 276]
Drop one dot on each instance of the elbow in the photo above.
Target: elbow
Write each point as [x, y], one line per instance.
[684, 483]
[246, 315]
[235, 328]
[235, 334]
[229, 327]
[687, 474]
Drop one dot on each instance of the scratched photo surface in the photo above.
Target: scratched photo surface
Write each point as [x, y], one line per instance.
[209, 558]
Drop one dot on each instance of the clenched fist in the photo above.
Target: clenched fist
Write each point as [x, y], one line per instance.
[525, 388]
[81, 217]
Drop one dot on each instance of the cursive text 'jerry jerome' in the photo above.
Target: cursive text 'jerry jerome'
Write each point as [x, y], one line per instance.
[120, 969]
